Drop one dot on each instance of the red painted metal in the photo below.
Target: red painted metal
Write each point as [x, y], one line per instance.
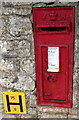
[54, 27]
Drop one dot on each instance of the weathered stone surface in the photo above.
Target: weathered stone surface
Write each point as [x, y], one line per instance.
[34, 76]
[75, 95]
[16, 26]
[30, 38]
[3, 47]
[48, 115]
[23, 11]
[7, 11]
[17, 10]
[29, 1]
[27, 66]
[52, 110]
[40, 5]
[32, 111]
[32, 101]
[69, 0]
[1, 108]
[19, 26]
[35, 1]
[7, 116]
[27, 116]
[15, 48]
[17, 81]
[7, 81]
[9, 64]
[72, 116]
[1, 102]
[1, 26]
[73, 111]
[24, 48]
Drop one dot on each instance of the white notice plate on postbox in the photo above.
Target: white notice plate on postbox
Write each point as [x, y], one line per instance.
[53, 59]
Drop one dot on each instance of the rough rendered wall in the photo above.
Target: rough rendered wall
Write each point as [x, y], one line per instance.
[17, 63]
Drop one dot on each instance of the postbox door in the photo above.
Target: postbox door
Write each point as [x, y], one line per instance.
[55, 83]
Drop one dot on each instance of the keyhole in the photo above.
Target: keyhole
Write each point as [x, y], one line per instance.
[49, 78]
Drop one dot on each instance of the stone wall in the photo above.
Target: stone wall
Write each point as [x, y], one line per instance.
[17, 60]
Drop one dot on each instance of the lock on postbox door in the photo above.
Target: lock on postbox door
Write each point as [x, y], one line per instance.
[54, 41]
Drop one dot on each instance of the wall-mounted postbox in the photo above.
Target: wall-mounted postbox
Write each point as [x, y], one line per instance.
[54, 42]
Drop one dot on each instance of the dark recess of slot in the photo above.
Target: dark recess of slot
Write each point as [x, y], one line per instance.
[55, 99]
[52, 29]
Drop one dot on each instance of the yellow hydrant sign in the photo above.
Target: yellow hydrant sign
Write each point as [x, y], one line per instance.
[14, 102]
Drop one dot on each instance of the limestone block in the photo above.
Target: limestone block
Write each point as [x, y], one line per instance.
[23, 10]
[27, 116]
[8, 10]
[1, 116]
[5, 24]
[17, 10]
[27, 66]
[1, 109]
[32, 111]
[39, 5]
[34, 76]
[52, 110]
[75, 95]
[1, 100]
[3, 47]
[19, 26]
[72, 116]
[9, 64]
[48, 115]
[78, 44]
[6, 65]
[32, 101]
[7, 81]
[73, 111]
[24, 48]
[16, 48]
[1, 26]
[24, 83]
[30, 38]
[8, 116]
[29, 1]
[68, 0]
[17, 81]
[32, 51]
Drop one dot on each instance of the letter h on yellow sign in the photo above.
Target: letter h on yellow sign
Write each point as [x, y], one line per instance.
[14, 102]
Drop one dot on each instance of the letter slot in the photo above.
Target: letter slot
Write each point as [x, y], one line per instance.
[53, 29]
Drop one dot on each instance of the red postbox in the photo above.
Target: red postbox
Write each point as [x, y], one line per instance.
[54, 43]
